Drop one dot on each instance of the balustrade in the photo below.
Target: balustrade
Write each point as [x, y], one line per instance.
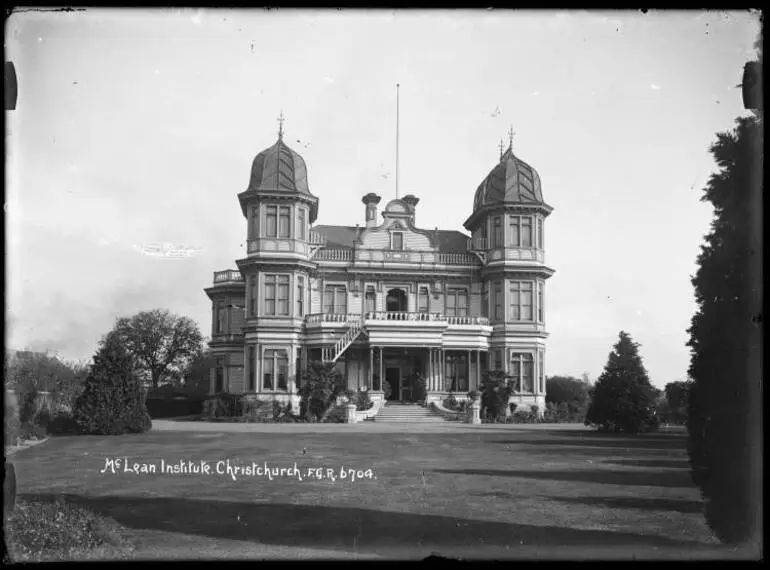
[332, 318]
[334, 255]
[227, 275]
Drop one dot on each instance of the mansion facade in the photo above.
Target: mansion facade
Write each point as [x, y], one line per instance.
[385, 300]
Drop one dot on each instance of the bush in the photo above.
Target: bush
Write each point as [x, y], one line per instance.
[386, 389]
[11, 421]
[42, 531]
[63, 423]
[362, 401]
[473, 395]
[495, 393]
[112, 402]
[419, 389]
[319, 387]
[222, 405]
[28, 400]
[451, 403]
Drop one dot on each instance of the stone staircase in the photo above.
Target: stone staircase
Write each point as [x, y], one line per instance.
[398, 413]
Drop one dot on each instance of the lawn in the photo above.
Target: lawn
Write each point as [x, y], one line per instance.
[483, 492]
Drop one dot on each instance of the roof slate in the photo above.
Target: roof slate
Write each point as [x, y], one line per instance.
[344, 236]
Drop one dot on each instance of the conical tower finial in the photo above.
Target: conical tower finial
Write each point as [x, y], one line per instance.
[511, 133]
[502, 146]
[281, 119]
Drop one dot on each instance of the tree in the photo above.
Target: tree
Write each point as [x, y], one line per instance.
[676, 396]
[197, 376]
[724, 414]
[495, 394]
[162, 344]
[623, 398]
[112, 402]
[320, 385]
[565, 389]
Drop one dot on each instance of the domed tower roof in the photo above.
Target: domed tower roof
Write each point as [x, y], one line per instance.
[512, 181]
[279, 168]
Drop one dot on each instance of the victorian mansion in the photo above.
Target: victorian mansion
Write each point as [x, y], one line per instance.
[384, 299]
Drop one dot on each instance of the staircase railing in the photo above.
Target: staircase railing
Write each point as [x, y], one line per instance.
[331, 354]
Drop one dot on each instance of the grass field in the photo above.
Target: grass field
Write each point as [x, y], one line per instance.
[472, 493]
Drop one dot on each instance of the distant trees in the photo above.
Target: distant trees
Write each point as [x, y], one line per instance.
[567, 398]
[724, 409]
[161, 344]
[623, 398]
[673, 403]
[112, 402]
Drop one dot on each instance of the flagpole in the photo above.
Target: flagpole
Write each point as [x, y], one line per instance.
[397, 119]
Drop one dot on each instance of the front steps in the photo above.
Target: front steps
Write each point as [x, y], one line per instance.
[398, 413]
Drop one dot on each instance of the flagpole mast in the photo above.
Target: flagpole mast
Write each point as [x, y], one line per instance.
[397, 119]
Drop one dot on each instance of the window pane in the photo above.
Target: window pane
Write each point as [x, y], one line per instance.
[270, 230]
[370, 301]
[423, 305]
[328, 300]
[526, 232]
[283, 370]
[301, 224]
[283, 223]
[526, 302]
[462, 304]
[398, 241]
[540, 302]
[515, 231]
[341, 302]
[540, 233]
[450, 304]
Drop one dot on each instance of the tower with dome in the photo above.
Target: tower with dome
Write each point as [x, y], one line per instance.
[384, 300]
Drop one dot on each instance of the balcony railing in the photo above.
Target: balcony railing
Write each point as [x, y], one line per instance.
[403, 316]
[316, 238]
[457, 258]
[477, 244]
[227, 275]
[334, 255]
[332, 318]
[343, 318]
[468, 320]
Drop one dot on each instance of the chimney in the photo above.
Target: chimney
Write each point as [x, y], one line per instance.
[371, 200]
[411, 201]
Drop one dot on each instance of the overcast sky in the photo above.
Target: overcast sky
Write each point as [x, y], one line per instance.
[134, 127]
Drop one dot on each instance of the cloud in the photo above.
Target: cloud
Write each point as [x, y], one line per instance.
[656, 87]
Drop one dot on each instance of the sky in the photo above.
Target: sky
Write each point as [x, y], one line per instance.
[139, 126]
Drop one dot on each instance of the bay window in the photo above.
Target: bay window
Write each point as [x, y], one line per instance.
[275, 369]
[271, 221]
[276, 295]
[521, 300]
[497, 232]
[540, 301]
[300, 296]
[521, 372]
[301, 224]
[253, 287]
[521, 231]
[284, 225]
[370, 300]
[498, 301]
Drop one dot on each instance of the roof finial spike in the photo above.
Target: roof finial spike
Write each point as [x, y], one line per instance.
[511, 132]
[281, 119]
[502, 146]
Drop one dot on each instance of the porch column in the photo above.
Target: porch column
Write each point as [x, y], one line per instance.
[434, 360]
[246, 369]
[371, 368]
[469, 369]
[478, 370]
[382, 370]
[442, 369]
[432, 377]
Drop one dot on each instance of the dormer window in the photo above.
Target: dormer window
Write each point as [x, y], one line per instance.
[397, 240]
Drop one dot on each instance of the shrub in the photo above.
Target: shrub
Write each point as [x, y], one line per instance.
[419, 389]
[43, 531]
[63, 423]
[112, 402]
[512, 407]
[450, 403]
[362, 401]
[495, 393]
[28, 400]
[11, 421]
[386, 389]
[320, 385]
[473, 395]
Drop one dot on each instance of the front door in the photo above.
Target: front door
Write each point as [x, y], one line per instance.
[393, 377]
